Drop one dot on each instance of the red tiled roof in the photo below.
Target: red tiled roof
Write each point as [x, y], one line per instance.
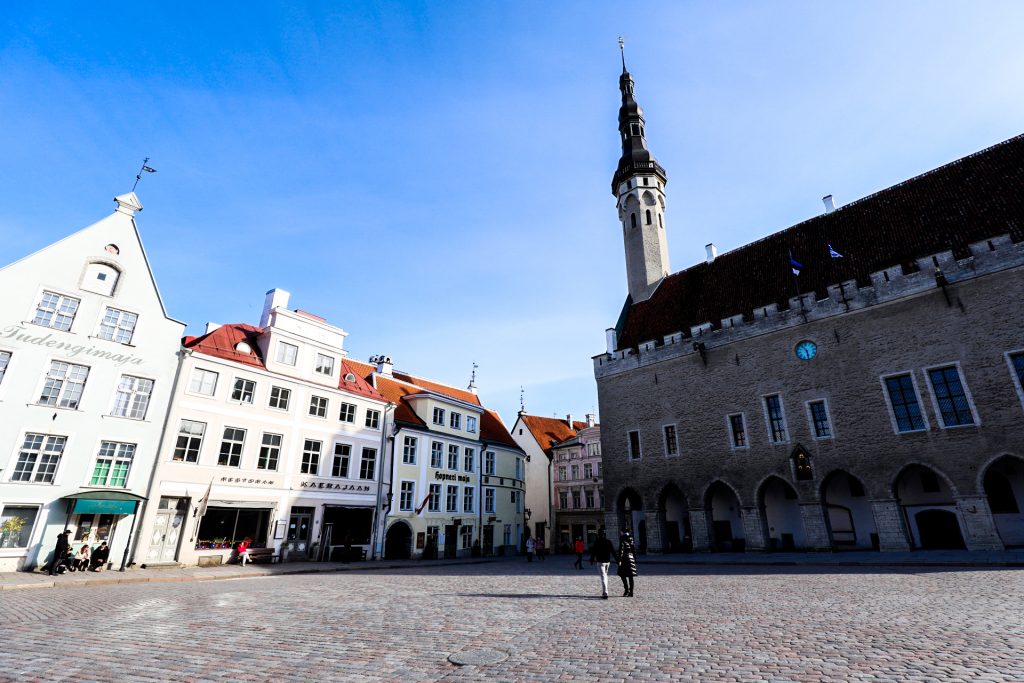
[395, 392]
[493, 429]
[549, 431]
[966, 201]
[221, 343]
[460, 394]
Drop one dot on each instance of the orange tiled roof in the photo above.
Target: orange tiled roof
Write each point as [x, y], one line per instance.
[395, 392]
[459, 394]
[493, 429]
[549, 431]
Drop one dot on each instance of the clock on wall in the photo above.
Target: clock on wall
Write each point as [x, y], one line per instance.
[806, 350]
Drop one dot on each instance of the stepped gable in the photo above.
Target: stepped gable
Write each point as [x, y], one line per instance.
[969, 200]
[549, 431]
[221, 343]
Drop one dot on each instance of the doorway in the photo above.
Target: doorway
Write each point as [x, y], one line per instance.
[170, 518]
[939, 530]
[398, 542]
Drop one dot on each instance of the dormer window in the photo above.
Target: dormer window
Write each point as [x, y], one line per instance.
[100, 278]
[242, 347]
[324, 365]
[634, 129]
[287, 353]
[349, 377]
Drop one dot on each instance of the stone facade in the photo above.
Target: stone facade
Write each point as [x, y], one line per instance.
[882, 408]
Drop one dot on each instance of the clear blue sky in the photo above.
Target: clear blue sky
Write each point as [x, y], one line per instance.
[434, 177]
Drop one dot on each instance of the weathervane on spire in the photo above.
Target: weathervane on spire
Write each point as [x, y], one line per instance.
[472, 378]
[622, 51]
[522, 401]
[145, 168]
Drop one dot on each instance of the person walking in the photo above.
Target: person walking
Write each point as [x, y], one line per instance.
[531, 545]
[579, 548]
[59, 551]
[604, 554]
[627, 564]
[538, 547]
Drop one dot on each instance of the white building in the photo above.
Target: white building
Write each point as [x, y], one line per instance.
[87, 360]
[271, 436]
[455, 478]
[536, 435]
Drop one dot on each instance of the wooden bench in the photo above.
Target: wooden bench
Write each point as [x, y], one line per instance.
[262, 555]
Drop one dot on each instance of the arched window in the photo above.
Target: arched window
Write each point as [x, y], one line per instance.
[632, 219]
[661, 223]
[648, 216]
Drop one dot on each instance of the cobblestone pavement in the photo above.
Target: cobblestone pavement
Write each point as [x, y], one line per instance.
[546, 619]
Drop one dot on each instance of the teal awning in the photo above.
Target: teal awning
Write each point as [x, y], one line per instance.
[104, 502]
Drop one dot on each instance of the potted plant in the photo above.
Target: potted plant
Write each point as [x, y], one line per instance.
[10, 532]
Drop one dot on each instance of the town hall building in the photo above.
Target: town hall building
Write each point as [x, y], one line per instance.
[852, 381]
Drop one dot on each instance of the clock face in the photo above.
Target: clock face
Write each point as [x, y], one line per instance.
[806, 350]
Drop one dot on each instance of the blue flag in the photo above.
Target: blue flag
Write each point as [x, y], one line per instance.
[796, 265]
[833, 253]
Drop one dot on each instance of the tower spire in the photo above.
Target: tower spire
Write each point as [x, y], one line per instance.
[639, 186]
[622, 53]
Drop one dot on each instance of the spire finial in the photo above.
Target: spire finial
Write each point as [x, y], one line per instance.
[622, 52]
[472, 378]
[522, 402]
[145, 168]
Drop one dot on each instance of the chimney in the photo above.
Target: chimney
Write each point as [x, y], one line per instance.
[611, 340]
[276, 298]
[568, 420]
[712, 252]
[590, 419]
[210, 327]
[384, 365]
[830, 204]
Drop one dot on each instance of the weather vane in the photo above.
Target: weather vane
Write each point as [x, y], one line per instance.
[522, 402]
[472, 377]
[147, 169]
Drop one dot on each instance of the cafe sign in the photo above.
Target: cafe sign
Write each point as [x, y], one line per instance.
[333, 486]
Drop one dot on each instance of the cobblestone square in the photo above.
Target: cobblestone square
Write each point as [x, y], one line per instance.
[543, 621]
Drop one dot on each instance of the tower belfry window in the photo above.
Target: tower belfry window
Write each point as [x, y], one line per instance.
[632, 220]
[634, 129]
[648, 216]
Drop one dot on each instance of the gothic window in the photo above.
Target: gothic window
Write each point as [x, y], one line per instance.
[648, 216]
[632, 220]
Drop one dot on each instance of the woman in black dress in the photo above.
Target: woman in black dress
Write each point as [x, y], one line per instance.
[627, 564]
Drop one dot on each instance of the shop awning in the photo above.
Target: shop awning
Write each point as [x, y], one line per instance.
[104, 502]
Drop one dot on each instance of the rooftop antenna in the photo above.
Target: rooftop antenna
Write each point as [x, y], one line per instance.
[147, 169]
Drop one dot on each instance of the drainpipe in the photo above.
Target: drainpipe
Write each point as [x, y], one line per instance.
[380, 479]
[140, 513]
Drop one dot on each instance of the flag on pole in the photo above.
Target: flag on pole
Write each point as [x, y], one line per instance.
[833, 253]
[148, 169]
[424, 503]
[204, 501]
[795, 265]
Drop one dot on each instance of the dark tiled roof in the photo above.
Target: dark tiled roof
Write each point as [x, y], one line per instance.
[969, 200]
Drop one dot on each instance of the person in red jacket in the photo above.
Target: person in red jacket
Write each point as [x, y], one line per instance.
[243, 552]
[579, 548]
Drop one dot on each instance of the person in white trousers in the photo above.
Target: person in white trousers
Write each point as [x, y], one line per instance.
[603, 553]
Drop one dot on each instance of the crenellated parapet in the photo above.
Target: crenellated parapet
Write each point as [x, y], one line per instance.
[935, 272]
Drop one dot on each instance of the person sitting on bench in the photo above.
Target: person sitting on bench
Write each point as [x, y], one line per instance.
[82, 558]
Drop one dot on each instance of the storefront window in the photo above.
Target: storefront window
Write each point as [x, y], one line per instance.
[16, 524]
[94, 528]
[224, 527]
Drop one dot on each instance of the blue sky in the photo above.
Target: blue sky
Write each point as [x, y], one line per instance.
[435, 177]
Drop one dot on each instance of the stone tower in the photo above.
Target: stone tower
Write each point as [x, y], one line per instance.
[639, 187]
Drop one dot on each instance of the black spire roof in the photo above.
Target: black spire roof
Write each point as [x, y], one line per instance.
[636, 158]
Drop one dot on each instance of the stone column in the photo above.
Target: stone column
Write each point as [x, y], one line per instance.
[611, 526]
[699, 530]
[978, 523]
[890, 524]
[655, 544]
[815, 527]
[754, 528]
